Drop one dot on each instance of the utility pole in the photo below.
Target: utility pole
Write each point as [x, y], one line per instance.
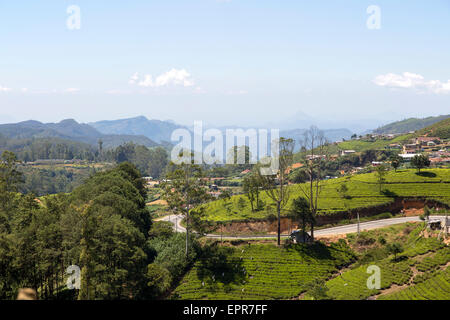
[358, 222]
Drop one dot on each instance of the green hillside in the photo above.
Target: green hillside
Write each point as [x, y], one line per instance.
[363, 192]
[411, 124]
[261, 271]
[379, 144]
[337, 271]
[440, 129]
[423, 262]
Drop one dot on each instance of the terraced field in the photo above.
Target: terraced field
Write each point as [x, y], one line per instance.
[352, 285]
[263, 272]
[434, 288]
[425, 254]
[363, 192]
[380, 144]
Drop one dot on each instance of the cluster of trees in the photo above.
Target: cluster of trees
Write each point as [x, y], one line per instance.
[103, 227]
[420, 161]
[56, 180]
[150, 162]
[32, 149]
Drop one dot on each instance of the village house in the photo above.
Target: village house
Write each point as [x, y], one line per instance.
[410, 148]
[347, 152]
[408, 156]
[440, 160]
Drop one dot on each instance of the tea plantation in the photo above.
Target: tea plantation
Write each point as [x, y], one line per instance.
[423, 254]
[261, 271]
[340, 270]
[363, 191]
[436, 287]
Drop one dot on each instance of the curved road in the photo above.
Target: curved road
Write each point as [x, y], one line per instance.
[350, 228]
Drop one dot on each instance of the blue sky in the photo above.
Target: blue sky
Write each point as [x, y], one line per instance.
[240, 62]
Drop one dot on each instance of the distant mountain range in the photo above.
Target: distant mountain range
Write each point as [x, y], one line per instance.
[70, 130]
[411, 124]
[156, 130]
[139, 130]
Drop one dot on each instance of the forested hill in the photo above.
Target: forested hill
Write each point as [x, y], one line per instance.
[440, 129]
[156, 130]
[68, 130]
[411, 124]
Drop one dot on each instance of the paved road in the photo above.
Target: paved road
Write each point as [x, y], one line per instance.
[350, 228]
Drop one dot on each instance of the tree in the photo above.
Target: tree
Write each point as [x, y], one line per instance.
[275, 185]
[420, 161]
[380, 172]
[159, 279]
[9, 175]
[251, 186]
[426, 214]
[395, 249]
[342, 190]
[316, 156]
[301, 211]
[183, 189]
[396, 161]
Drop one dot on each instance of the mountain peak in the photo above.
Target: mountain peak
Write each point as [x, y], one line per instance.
[68, 122]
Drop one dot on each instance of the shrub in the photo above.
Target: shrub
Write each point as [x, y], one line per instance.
[364, 239]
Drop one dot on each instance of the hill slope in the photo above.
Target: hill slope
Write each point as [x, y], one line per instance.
[363, 192]
[411, 124]
[71, 130]
[155, 130]
[440, 129]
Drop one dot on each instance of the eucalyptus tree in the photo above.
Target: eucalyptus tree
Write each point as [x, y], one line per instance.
[316, 155]
[276, 184]
[184, 187]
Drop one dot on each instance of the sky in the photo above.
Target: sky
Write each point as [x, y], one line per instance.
[225, 62]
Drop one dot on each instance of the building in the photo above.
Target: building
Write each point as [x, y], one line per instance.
[347, 152]
[439, 160]
[408, 156]
[410, 148]
[298, 235]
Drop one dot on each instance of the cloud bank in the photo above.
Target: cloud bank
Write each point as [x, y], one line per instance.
[409, 80]
[173, 77]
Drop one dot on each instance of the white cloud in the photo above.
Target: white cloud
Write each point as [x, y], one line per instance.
[173, 77]
[409, 80]
[4, 89]
[134, 78]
